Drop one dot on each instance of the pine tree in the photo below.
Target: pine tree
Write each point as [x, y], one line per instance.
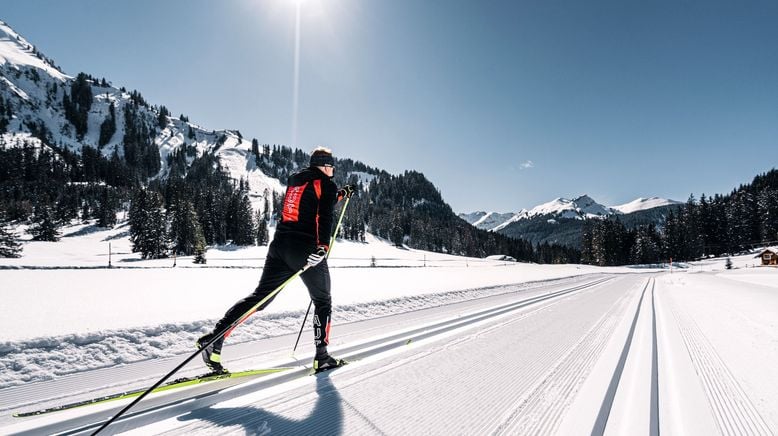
[148, 227]
[646, 246]
[245, 230]
[106, 209]
[586, 243]
[78, 104]
[9, 244]
[262, 232]
[767, 202]
[108, 127]
[693, 242]
[45, 226]
[199, 247]
[673, 240]
[4, 121]
[162, 117]
[86, 213]
[186, 235]
[255, 150]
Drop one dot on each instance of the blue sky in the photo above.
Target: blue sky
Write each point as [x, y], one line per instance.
[502, 104]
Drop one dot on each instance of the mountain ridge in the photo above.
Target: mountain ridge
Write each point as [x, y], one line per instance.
[581, 207]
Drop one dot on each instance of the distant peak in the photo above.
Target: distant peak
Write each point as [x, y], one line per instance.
[18, 52]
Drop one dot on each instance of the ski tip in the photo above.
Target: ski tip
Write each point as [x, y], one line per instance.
[25, 414]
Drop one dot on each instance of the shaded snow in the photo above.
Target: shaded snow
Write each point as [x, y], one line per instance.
[644, 204]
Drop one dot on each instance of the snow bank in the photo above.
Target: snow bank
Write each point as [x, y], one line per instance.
[45, 358]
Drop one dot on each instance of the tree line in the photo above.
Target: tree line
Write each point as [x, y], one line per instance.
[711, 226]
[407, 210]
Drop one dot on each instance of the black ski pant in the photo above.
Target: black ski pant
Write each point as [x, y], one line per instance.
[286, 256]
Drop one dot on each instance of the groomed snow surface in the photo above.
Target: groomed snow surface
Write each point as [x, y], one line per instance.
[440, 344]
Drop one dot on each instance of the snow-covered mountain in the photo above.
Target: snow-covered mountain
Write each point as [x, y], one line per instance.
[559, 208]
[644, 204]
[486, 220]
[578, 208]
[38, 92]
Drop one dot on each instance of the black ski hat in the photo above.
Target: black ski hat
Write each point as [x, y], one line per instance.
[322, 160]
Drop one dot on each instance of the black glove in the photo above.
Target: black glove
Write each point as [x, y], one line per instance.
[346, 191]
[317, 256]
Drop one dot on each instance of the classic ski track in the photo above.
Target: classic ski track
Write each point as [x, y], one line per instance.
[541, 410]
[21, 396]
[654, 418]
[538, 367]
[87, 423]
[734, 412]
[287, 403]
[531, 311]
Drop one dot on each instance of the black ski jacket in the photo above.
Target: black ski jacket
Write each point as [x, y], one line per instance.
[307, 210]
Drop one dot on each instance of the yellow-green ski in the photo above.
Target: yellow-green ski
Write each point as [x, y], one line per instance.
[175, 384]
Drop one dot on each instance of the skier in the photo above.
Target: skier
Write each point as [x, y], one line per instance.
[302, 237]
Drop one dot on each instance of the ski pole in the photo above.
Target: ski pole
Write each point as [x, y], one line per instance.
[302, 326]
[332, 244]
[193, 355]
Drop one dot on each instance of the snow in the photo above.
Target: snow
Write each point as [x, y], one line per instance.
[125, 322]
[237, 159]
[363, 177]
[578, 208]
[16, 51]
[660, 345]
[15, 89]
[491, 220]
[728, 328]
[8, 140]
[472, 216]
[644, 204]
[519, 215]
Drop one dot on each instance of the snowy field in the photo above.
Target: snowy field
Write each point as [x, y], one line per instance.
[64, 311]
[566, 349]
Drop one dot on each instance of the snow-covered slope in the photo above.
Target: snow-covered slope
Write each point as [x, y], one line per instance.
[578, 208]
[601, 354]
[17, 52]
[644, 204]
[493, 220]
[472, 217]
[34, 88]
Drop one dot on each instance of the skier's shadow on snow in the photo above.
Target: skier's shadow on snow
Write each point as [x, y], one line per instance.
[326, 418]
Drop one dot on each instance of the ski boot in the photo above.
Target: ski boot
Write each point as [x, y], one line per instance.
[212, 353]
[326, 362]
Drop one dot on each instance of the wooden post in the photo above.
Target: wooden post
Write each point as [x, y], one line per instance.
[109, 255]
